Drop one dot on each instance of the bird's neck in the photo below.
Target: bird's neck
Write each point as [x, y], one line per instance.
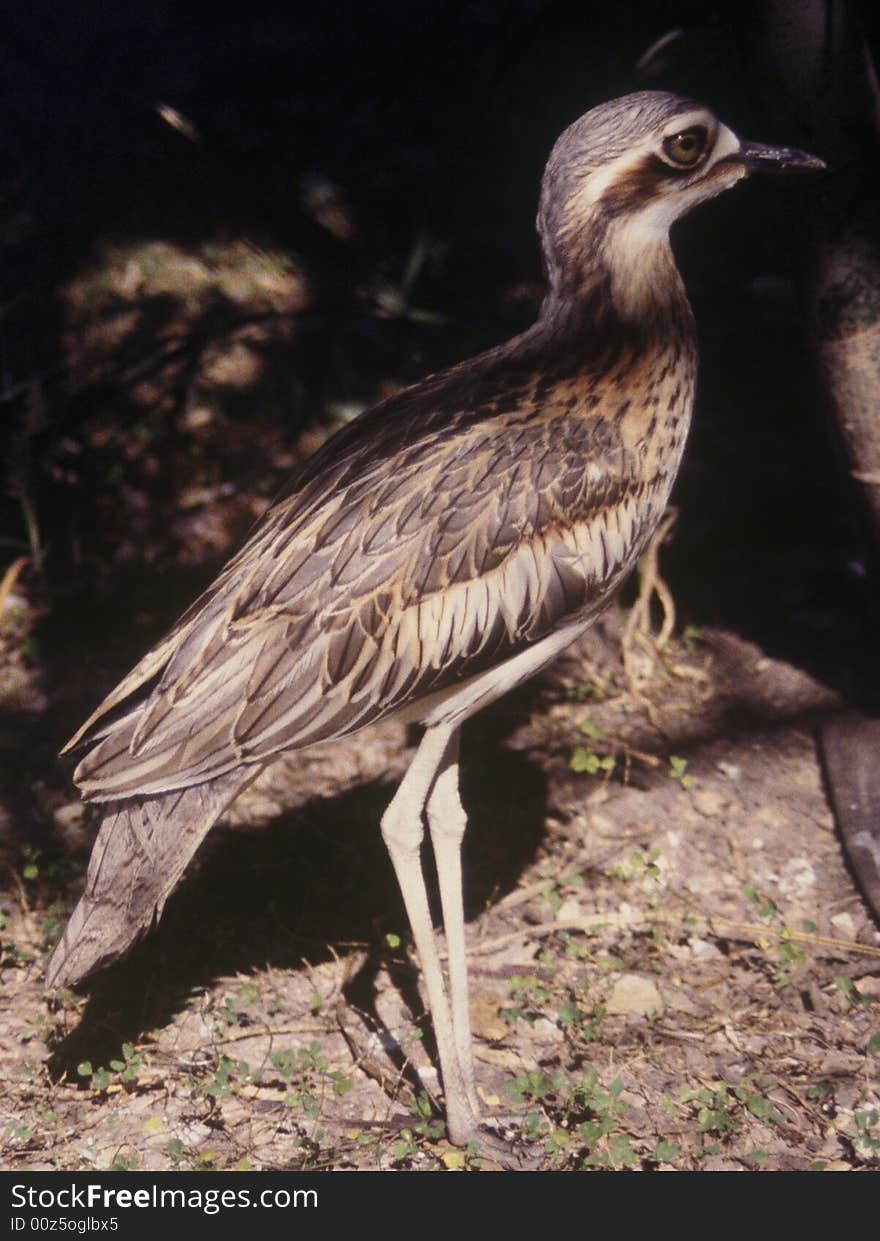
[616, 280]
[644, 280]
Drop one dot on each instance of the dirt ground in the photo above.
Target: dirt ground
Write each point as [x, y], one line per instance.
[670, 965]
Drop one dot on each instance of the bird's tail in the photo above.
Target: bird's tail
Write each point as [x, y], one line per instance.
[141, 852]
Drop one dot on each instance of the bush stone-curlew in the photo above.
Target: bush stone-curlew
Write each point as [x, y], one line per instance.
[431, 556]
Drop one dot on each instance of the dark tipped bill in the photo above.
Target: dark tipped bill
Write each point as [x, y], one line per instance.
[760, 158]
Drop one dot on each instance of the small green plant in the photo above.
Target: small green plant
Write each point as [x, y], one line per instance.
[715, 1108]
[529, 995]
[124, 1071]
[410, 1144]
[577, 1118]
[751, 1092]
[19, 1131]
[764, 906]
[577, 1014]
[821, 1092]
[574, 946]
[128, 1066]
[851, 994]
[604, 1147]
[558, 887]
[668, 1106]
[788, 952]
[308, 1075]
[406, 1146]
[224, 1077]
[619, 1152]
[532, 1087]
[589, 763]
[585, 692]
[432, 1128]
[666, 1152]
[678, 770]
[587, 760]
[790, 956]
[30, 863]
[99, 1079]
[866, 1139]
[234, 1008]
[720, 1108]
[426, 1128]
[176, 1151]
[638, 865]
[179, 1155]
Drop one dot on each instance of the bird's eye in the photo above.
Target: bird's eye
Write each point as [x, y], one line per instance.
[687, 148]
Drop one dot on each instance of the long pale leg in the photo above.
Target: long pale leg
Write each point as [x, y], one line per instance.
[447, 821]
[402, 831]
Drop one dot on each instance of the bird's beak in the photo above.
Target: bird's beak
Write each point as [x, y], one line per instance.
[759, 158]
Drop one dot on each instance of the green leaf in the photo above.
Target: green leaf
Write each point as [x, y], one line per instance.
[584, 762]
[620, 1151]
[422, 1105]
[570, 1014]
[666, 1152]
[100, 1079]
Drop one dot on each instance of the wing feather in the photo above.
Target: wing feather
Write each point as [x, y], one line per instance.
[414, 558]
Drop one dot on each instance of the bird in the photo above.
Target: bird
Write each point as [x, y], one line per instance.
[434, 554]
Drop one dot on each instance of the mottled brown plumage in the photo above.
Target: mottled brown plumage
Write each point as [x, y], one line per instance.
[435, 553]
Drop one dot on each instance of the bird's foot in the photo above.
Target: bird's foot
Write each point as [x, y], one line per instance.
[496, 1151]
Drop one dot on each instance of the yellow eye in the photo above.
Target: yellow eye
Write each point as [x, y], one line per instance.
[686, 148]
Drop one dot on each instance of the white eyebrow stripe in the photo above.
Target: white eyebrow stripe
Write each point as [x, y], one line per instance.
[686, 120]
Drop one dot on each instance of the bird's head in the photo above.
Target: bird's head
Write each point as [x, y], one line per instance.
[620, 176]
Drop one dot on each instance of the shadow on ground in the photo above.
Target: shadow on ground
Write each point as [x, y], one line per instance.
[307, 887]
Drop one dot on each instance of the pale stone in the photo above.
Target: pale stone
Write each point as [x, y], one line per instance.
[633, 993]
[869, 985]
[486, 1021]
[844, 926]
[708, 802]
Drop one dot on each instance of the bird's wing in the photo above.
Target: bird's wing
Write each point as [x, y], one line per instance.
[405, 562]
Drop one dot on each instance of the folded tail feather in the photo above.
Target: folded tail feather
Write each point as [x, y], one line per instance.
[141, 851]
